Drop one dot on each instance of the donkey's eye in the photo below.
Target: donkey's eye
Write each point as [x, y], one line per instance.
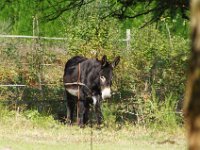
[102, 78]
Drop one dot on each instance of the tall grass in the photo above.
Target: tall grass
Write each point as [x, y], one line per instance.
[27, 119]
[161, 113]
[152, 113]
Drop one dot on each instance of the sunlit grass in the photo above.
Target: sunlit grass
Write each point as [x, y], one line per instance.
[22, 134]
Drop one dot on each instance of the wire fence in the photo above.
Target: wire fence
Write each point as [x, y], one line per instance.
[27, 63]
[37, 60]
[31, 37]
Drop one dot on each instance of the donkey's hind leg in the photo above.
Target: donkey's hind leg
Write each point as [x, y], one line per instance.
[80, 112]
[70, 109]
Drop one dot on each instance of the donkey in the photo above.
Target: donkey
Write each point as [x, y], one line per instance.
[87, 81]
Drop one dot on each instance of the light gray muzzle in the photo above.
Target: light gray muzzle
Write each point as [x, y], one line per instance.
[106, 93]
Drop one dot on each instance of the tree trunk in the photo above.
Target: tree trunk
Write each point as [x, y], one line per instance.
[192, 96]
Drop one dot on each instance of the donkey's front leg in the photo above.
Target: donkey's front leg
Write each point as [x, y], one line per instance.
[97, 109]
[99, 114]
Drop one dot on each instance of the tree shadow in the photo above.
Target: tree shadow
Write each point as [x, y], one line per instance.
[48, 101]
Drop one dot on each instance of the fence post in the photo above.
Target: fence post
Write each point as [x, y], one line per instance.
[39, 60]
[169, 34]
[128, 39]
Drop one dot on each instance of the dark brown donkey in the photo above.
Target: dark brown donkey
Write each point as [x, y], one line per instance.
[87, 81]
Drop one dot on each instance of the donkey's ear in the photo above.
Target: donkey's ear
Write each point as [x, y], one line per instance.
[104, 61]
[115, 61]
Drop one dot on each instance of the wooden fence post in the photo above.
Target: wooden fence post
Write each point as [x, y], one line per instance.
[39, 59]
[128, 39]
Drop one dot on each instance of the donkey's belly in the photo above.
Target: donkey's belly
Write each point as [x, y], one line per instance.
[72, 91]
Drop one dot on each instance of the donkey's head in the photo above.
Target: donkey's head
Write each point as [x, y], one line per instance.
[106, 75]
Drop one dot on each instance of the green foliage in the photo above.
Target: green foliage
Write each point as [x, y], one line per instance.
[160, 114]
[148, 83]
[5, 113]
[40, 120]
[31, 118]
[109, 114]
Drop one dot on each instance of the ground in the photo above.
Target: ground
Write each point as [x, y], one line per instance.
[63, 137]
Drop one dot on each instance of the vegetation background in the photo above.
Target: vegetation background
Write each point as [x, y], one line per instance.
[148, 84]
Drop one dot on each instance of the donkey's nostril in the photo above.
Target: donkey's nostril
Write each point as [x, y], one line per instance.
[106, 93]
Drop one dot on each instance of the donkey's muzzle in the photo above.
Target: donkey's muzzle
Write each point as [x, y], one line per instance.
[106, 93]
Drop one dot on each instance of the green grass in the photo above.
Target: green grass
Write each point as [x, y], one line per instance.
[34, 131]
[61, 137]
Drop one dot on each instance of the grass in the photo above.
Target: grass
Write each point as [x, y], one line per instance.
[33, 130]
[23, 135]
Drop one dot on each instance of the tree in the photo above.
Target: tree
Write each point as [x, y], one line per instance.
[122, 9]
[115, 8]
[192, 98]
